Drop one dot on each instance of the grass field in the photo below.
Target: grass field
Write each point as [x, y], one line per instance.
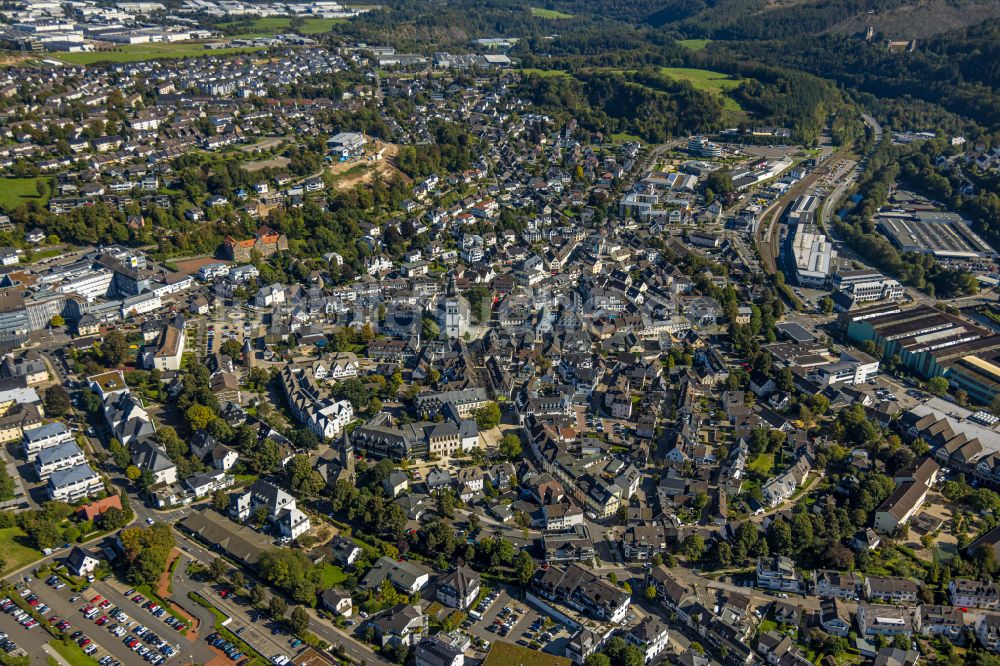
[768, 625]
[695, 44]
[549, 13]
[140, 52]
[708, 81]
[702, 79]
[503, 653]
[271, 24]
[545, 72]
[333, 575]
[15, 191]
[762, 464]
[14, 548]
[72, 653]
[623, 137]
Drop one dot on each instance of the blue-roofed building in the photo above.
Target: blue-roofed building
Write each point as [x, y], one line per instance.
[63, 456]
[44, 437]
[70, 485]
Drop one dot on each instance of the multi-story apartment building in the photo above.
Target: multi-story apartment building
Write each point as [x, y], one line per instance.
[59, 457]
[75, 483]
[44, 437]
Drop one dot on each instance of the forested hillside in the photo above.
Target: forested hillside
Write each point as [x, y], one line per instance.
[959, 71]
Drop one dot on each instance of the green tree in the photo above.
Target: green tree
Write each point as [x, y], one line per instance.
[651, 593]
[510, 447]
[693, 547]
[257, 595]
[57, 321]
[524, 568]
[597, 659]
[218, 568]
[299, 621]
[429, 329]
[622, 653]
[238, 579]
[277, 607]
[937, 385]
[487, 416]
[114, 349]
[133, 473]
[303, 477]
[57, 401]
[232, 349]
[113, 519]
[220, 500]
[199, 416]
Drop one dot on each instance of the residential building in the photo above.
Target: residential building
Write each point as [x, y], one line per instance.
[278, 506]
[583, 589]
[891, 590]
[833, 617]
[778, 573]
[974, 594]
[75, 483]
[459, 588]
[80, 562]
[59, 457]
[401, 625]
[44, 437]
[432, 651]
[650, 636]
[879, 620]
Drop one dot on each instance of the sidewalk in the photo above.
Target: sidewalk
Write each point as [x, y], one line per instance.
[49, 650]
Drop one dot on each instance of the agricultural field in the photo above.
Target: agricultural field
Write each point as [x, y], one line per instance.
[549, 13]
[274, 24]
[140, 52]
[702, 79]
[708, 81]
[695, 44]
[544, 72]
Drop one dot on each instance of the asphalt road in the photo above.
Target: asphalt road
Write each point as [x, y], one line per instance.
[355, 649]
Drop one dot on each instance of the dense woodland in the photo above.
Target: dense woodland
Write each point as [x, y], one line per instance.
[646, 104]
[959, 71]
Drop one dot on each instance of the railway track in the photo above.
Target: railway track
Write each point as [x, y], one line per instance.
[767, 237]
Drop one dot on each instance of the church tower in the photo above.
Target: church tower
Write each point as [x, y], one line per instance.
[452, 311]
[347, 455]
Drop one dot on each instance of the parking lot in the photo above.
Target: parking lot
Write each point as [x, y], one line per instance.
[515, 621]
[150, 640]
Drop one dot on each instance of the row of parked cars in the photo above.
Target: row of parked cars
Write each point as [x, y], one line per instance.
[23, 618]
[156, 652]
[55, 581]
[6, 644]
[156, 610]
[232, 651]
[484, 605]
[504, 622]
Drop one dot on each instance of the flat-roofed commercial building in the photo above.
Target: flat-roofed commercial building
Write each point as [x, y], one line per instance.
[945, 235]
[811, 254]
[932, 343]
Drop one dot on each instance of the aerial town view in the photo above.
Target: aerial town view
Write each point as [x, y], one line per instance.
[491, 333]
